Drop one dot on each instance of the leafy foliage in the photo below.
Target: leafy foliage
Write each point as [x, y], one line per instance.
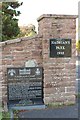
[10, 28]
[78, 45]
[27, 31]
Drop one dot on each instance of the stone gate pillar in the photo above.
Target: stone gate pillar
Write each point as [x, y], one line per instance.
[59, 72]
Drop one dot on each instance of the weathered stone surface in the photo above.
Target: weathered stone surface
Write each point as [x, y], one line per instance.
[31, 63]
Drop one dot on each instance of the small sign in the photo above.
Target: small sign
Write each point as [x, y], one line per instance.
[60, 48]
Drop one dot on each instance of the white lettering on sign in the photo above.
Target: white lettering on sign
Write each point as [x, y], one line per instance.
[24, 71]
[60, 47]
[37, 71]
[60, 53]
[60, 42]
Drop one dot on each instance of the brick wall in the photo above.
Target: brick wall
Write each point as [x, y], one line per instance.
[59, 73]
[16, 52]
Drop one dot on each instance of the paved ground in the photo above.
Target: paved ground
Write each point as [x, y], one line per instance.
[63, 112]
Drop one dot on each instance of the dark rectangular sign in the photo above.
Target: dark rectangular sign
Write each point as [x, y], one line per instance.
[25, 84]
[60, 48]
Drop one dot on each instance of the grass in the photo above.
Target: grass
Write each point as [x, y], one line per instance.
[58, 104]
[0, 115]
[78, 95]
[6, 115]
[52, 105]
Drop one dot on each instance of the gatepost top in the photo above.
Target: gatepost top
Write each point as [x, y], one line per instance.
[57, 16]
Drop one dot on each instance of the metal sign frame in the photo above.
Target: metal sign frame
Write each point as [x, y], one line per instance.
[13, 74]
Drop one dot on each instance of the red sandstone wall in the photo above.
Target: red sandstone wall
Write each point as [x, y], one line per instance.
[16, 52]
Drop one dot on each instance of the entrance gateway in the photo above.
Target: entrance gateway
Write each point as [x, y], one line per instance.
[54, 50]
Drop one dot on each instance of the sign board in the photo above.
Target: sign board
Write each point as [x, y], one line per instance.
[60, 48]
[25, 85]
